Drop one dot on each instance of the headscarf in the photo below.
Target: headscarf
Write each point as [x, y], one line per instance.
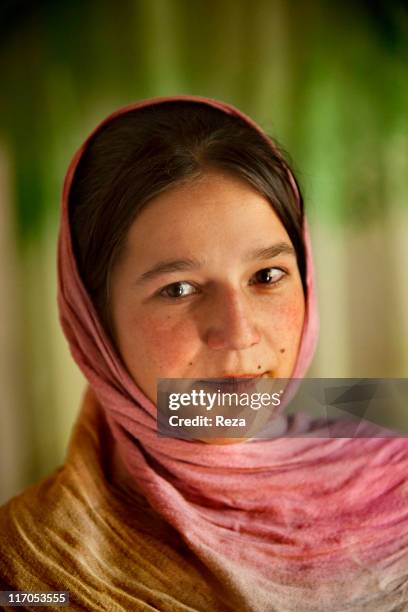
[291, 523]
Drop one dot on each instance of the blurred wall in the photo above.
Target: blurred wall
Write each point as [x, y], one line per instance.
[328, 81]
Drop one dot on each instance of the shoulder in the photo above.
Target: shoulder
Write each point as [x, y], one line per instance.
[107, 552]
[23, 525]
[51, 539]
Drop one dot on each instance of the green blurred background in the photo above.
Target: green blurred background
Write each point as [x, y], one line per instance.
[327, 79]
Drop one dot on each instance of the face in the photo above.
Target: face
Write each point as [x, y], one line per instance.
[207, 287]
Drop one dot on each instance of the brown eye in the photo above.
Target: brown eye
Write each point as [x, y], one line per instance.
[177, 290]
[269, 275]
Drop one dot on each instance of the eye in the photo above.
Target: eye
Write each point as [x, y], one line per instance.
[269, 276]
[177, 290]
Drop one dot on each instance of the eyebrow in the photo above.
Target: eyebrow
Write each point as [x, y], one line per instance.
[177, 265]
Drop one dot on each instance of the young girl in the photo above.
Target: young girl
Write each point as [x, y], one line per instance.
[184, 253]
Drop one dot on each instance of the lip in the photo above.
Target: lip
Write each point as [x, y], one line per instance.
[237, 383]
[245, 375]
[265, 374]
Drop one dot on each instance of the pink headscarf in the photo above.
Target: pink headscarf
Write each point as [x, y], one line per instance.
[282, 523]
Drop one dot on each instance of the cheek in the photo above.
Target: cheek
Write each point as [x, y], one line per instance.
[288, 322]
[294, 315]
[285, 334]
[164, 343]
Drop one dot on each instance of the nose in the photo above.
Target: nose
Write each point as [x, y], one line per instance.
[230, 322]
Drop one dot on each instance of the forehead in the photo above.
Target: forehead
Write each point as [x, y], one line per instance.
[216, 208]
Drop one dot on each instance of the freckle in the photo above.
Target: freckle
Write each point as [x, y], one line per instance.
[259, 367]
[190, 363]
[282, 350]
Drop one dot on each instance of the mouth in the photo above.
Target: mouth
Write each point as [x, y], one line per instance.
[235, 383]
[237, 377]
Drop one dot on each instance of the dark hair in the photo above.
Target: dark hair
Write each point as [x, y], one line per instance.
[143, 152]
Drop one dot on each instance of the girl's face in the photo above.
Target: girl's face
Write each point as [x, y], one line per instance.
[207, 287]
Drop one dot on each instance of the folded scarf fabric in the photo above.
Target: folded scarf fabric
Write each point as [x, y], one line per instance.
[340, 545]
[133, 519]
[79, 532]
